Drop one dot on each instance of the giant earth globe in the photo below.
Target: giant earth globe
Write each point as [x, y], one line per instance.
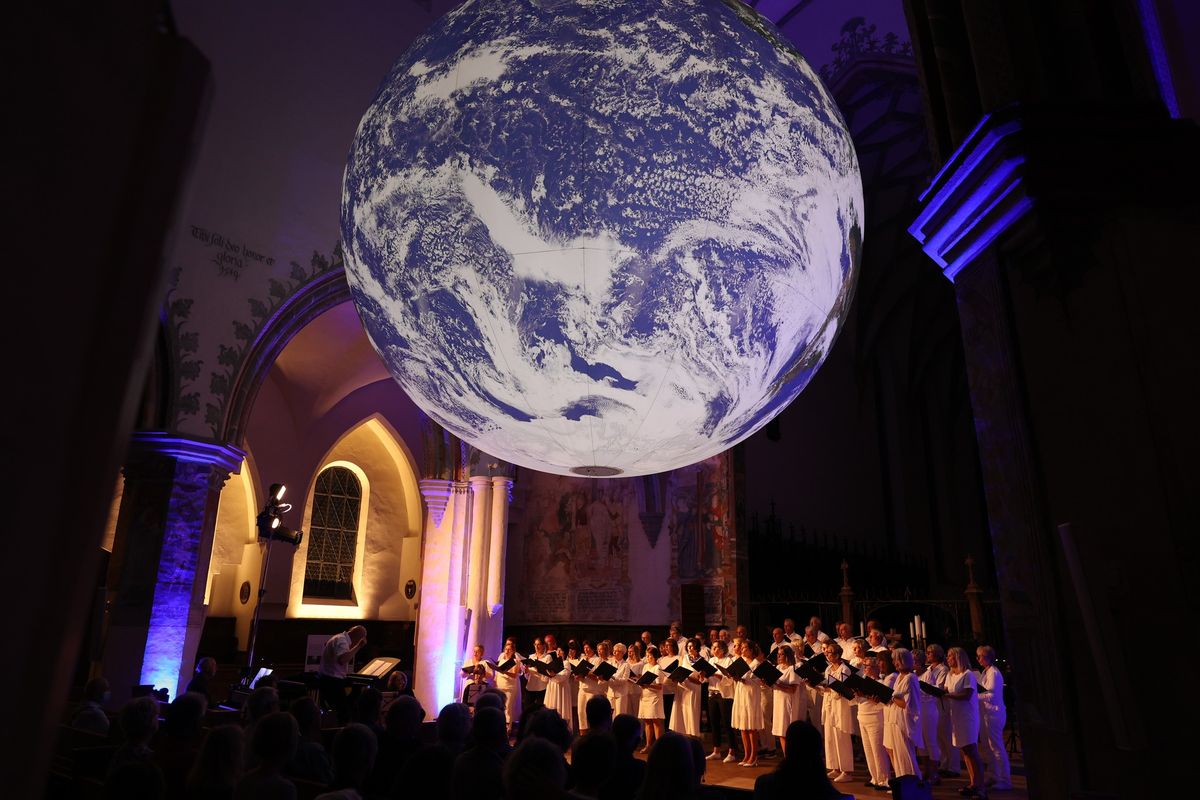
[602, 237]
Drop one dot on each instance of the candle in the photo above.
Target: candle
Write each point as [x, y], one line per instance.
[861, 631]
[918, 621]
[911, 633]
[923, 636]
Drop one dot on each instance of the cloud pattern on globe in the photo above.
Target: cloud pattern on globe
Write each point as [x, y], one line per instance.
[602, 233]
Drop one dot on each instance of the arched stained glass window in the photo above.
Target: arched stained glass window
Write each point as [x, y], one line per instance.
[332, 542]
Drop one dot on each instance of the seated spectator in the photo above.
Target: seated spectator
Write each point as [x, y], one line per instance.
[310, 762]
[262, 702]
[477, 770]
[592, 760]
[490, 698]
[546, 723]
[427, 773]
[628, 770]
[177, 748]
[218, 768]
[368, 708]
[599, 714]
[90, 716]
[670, 774]
[139, 721]
[401, 738]
[354, 752]
[275, 739]
[206, 670]
[535, 770]
[802, 771]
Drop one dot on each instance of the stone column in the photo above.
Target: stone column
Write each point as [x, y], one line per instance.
[475, 597]
[160, 559]
[497, 553]
[433, 680]
[974, 602]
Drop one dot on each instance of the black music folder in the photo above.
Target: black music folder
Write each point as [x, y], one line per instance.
[581, 669]
[680, 673]
[929, 688]
[768, 673]
[870, 687]
[841, 688]
[808, 650]
[506, 666]
[604, 670]
[647, 678]
[705, 668]
[470, 671]
[541, 667]
[737, 669]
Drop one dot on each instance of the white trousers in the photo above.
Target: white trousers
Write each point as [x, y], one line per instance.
[991, 745]
[766, 740]
[878, 763]
[839, 752]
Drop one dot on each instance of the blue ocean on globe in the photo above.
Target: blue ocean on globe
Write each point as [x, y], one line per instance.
[602, 236]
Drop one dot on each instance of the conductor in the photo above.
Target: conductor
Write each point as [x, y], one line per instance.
[336, 659]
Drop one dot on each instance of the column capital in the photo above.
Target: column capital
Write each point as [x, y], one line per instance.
[190, 449]
[479, 483]
[436, 492]
[1030, 170]
[501, 483]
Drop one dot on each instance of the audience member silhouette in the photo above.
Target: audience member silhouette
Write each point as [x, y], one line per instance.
[262, 701]
[180, 742]
[368, 709]
[218, 767]
[201, 682]
[628, 771]
[310, 761]
[427, 773]
[546, 723]
[599, 714]
[670, 774]
[354, 752]
[401, 738]
[275, 738]
[535, 771]
[139, 721]
[478, 769]
[592, 759]
[90, 716]
[802, 771]
[135, 780]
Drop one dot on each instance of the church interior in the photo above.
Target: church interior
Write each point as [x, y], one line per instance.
[228, 471]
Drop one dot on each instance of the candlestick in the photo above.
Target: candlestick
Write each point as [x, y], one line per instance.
[911, 632]
[861, 630]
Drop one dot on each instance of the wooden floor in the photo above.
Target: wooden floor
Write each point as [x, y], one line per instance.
[734, 777]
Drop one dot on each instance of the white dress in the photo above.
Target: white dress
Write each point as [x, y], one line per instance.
[747, 702]
[930, 711]
[902, 726]
[870, 722]
[964, 714]
[510, 683]
[634, 693]
[788, 706]
[685, 711]
[992, 716]
[650, 706]
[558, 695]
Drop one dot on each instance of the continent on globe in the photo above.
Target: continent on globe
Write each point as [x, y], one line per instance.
[602, 237]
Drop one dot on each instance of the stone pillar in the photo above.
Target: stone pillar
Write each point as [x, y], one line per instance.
[974, 602]
[497, 555]
[475, 597]
[1069, 236]
[433, 681]
[160, 559]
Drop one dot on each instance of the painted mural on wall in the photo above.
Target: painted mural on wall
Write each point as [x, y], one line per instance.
[587, 547]
[199, 406]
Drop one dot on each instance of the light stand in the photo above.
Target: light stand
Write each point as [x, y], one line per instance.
[270, 529]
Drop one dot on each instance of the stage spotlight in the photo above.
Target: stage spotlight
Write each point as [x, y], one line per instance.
[277, 490]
